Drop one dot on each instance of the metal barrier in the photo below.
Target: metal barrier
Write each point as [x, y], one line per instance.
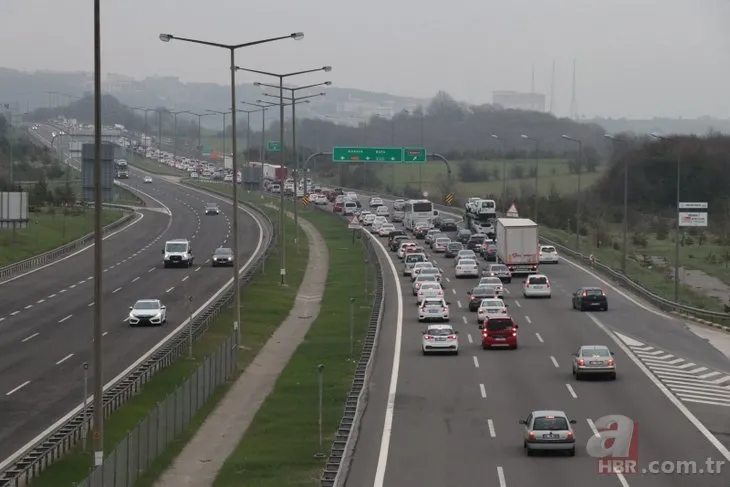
[30, 463]
[45, 258]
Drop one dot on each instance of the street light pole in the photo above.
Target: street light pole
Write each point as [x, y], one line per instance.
[261, 108]
[232, 50]
[200, 115]
[280, 76]
[224, 130]
[537, 170]
[579, 143]
[624, 249]
[504, 168]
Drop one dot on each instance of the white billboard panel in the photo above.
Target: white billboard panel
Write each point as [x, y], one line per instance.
[692, 219]
[13, 210]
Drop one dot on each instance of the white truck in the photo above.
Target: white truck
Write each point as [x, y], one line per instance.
[517, 245]
[480, 216]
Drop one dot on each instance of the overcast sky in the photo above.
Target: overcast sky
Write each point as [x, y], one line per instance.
[635, 58]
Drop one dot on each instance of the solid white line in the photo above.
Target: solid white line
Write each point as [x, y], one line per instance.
[555, 362]
[539, 338]
[476, 361]
[490, 425]
[135, 279]
[483, 390]
[64, 359]
[571, 391]
[170, 289]
[116, 290]
[500, 476]
[197, 269]
[468, 336]
[13, 391]
[64, 319]
[527, 319]
[29, 337]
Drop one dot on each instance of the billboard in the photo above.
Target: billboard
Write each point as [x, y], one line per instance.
[13, 210]
[107, 172]
[694, 214]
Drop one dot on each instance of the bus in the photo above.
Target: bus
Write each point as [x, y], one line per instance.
[121, 169]
[416, 211]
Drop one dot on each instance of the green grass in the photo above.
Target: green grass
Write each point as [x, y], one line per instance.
[655, 278]
[262, 319]
[151, 166]
[47, 231]
[278, 448]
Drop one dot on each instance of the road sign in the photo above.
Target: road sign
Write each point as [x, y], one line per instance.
[388, 155]
[512, 212]
[305, 200]
[354, 224]
[449, 199]
[692, 213]
[692, 205]
[206, 152]
[273, 146]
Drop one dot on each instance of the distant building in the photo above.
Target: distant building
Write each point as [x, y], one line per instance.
[534, 102]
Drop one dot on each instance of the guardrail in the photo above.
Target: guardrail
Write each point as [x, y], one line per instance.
[616, 276]
[30, 463]
[45, 258]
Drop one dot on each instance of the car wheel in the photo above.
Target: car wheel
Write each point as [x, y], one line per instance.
[509, 281]
[165, 264]
[514, 347]
[424, 352]
[456, 352]
[529, 452]
[605, 308]
[578, 375]
[549, 296]
[571, 452]
[612, 376]
[484, 347]
[573, 304]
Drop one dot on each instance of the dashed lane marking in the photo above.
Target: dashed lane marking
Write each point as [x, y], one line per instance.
[65, 318]
[13, 391]
[29, 337]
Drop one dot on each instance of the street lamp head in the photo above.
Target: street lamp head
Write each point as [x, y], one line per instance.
[609, 136]
[494, 136]
[327, 83]
[297, 36]
[323, 94]
[327, 69]
[566, 137]
[524, 136]
[657, 136]
[257, 83]
[166, 37]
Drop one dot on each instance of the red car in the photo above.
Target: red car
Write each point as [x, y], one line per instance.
[338, 208]
[499, 332]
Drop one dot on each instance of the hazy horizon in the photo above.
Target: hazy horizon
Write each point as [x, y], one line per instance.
[630, 60]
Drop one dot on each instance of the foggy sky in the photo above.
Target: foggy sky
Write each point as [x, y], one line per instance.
[635, 58]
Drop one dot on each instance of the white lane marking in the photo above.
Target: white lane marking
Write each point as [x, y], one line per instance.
[393, 388]
[151, 270]
[539, 338]
[593, 428]
[64, 319]
[527, 319]
[476, 361]
[64, 359]
[483, 391]
[630, 341]
[197, 269]
[91, 304]
[517, 303]
[490, 425]
[135, 279]
[500, 476]
[464, 319]
[185, 278]
[571, 391]
[448, 280]
[667, 393]
[453, 291]
[13, 391]
[72, 286]
[50, 296]
[105, 333]
[468, 336]
[14, 313]
[555, 362]
[40, 301]
[62, 291]
[2, 319]
[458, 303]
[30, 337]
[29, 306]
[169, 290]
[116, 290]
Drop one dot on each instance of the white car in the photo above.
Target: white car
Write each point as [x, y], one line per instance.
[368, 219]
[548, 255]
[420, 281]
[536, 286]
[147, 179]
[147, 312]
[429, 290]
[402, 249]
[440, 244]
[495, 282]
[411, 260]
[385, 229]
[432, 271]
[419, 267]
[434, 309]
[465, 254]
[440, 339]
[399, 205]
[364, 214]
[466, 268]
[491, 308]
[375, 202]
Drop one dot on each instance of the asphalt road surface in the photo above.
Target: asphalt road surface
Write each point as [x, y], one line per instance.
[46, 317]
[453, 420]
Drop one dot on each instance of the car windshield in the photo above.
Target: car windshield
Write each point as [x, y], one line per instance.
[492, 303]
[550, 423]
[467, 262]
[146, 305]
[448, 221]
[455, 246]
[595, 352]
[223, 251]
[426, 278]
[211, 206]
[442, 240]
[466, 253]
[413, 258]
[492, 246]
[176, 247]
[499, 325]
[494, 281]
[464, 233]
[477, 239]
[431, 303]
[429, 271]
[548, 250]
[593, 292]
[440, 331]
[538, 280]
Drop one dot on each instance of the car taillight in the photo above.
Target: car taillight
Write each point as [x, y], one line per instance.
[581, 362]
[445, 309]
[471, 298]
[480, 310]
[418, 286]
[428, 337]
[531, 435]
[527, 285]
[548, 284]
[441, 293]
[452, 337]
[610, 361]
[514, 332]
[570, 435]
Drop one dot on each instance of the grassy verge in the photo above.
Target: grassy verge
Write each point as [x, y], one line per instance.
[47, 231]
[655, 278]
[151, 166]
[261, 320]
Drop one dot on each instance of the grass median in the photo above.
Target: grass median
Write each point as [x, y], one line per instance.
[262, 319]
[48, 230]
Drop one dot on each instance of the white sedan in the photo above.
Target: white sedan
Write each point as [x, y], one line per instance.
[491, 308]
[147, 179]
[466, 268]
[536, 286]
[147, 312]
[418, 267]
[440, 339]
[385, 229]
[402, 249]
[495, 282]
[429, 290]
[435, 309]
[548, 255]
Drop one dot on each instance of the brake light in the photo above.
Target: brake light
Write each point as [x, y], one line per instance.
[570, 435]
[452, 337]
[471, 298]
[514, 332]
[428, 337]
[445, 309]
[527, 285]
[581, 362]
[610, 361]
[531, 435]
[418, 286]
[481, 310]
[584, 294]
[441, 293]
[548, 284]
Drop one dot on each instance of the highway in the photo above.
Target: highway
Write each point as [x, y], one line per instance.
[46, 316]
[453, 420]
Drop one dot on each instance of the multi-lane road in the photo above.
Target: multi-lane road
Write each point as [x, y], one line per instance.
[46, 316]
[453, 420]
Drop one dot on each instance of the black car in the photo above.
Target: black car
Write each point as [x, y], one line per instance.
[448, 225]
[490, 252]
[475, 241]
[463, 236]
[478, 293]
[453, 249]
[222, 257]
[588, 298]
[420, 232]
[395, 242]
[437, 222]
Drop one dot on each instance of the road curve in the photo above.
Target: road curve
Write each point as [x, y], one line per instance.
[452, 420]
[47, 327]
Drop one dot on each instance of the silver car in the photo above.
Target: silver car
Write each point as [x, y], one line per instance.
[410, 260]
[466, 254]
[432, 271]
[436, 309]
[548, 430]
[430, 235]
[418, 267]
[594, 359]
[498, 270]
[491, 308]
[429, 290]
[440, 244]
[495, 282]
[420, 280]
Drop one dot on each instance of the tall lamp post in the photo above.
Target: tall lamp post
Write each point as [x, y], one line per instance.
[579, 143]
[174, 132]
[676, 220]
[624, 251]
[146, 111]
[263, 109]
[282, 242]
[248, 135]
[537, 169]
[232, 51]
[224, 128]
[200, 116]
[504, 167]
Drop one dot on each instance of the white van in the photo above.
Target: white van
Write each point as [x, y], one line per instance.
[382, 211]
[349, 208]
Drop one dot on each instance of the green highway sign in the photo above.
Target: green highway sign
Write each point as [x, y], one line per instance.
[206, 152]
[388, 155]
[273, 146]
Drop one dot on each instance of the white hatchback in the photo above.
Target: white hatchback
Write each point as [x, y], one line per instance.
[536, 286]
[385, 229]
[466, 268]
[434, 309]
[548, 255]
[429, 290]
[440, 339]
[491, 308]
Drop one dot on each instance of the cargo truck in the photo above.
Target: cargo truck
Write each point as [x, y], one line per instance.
[517, 245]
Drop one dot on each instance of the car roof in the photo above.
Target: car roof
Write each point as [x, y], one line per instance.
[591, 288]
[224, 249]
[537, 275]
[155, 301]
[600, 347]
[439, 326]
[549, 412]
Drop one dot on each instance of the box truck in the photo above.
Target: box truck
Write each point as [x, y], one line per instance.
[517, 245]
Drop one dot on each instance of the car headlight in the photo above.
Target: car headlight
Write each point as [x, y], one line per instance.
[230, 258]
